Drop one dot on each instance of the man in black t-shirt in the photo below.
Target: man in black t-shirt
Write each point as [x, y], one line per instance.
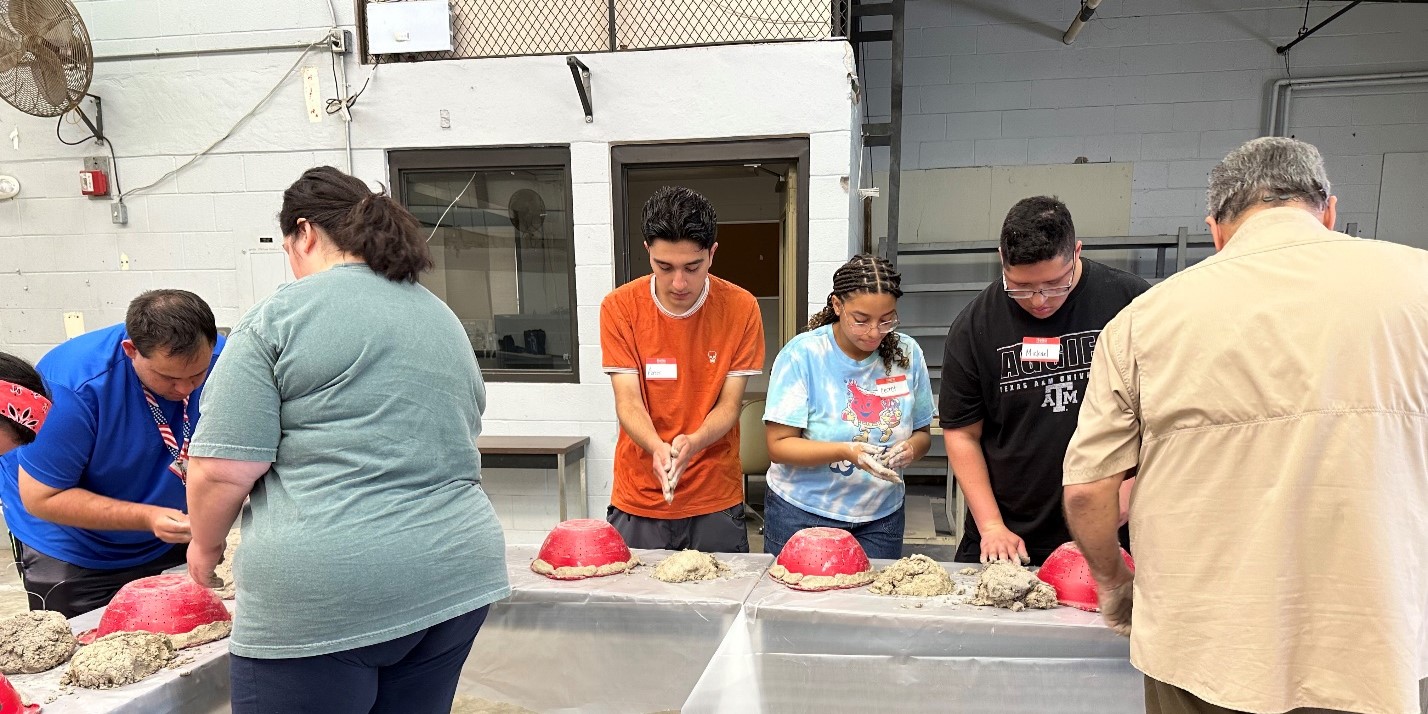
[1014, 370]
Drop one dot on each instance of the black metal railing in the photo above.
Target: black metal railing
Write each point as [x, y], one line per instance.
[503, 28]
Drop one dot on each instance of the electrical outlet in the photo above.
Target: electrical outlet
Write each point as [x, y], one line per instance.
[445, 117]
[340, 42]
[119, 213]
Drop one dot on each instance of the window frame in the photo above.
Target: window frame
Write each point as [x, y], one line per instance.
[403, 162]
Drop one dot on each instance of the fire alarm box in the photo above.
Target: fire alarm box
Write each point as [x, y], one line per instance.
[93, 183]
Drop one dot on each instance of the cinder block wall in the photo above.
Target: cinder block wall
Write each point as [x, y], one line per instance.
[59, 252]
[1170, 85]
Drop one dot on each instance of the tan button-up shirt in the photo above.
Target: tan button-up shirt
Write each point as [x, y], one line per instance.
[1275, 400]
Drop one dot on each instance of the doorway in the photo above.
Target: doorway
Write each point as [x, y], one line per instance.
[755, 187]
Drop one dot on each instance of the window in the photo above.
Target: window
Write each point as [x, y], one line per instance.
[502, 242]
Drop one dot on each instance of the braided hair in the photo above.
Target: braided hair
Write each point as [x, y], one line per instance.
[866, 274]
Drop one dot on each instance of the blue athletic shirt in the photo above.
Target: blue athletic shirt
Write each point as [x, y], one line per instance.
[818, 388]
[100, 436]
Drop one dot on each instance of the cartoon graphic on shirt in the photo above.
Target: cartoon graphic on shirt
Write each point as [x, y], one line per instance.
[869, 411]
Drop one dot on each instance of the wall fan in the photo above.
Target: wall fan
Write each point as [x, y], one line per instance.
[46, 62]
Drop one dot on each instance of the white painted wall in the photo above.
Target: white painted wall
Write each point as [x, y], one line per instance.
[1169, 85]
[59, 251]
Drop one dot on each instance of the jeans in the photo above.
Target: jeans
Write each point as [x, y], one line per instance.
[415, 674]
[881, 538]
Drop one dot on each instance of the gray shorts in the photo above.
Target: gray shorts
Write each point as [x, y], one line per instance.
[717, 532]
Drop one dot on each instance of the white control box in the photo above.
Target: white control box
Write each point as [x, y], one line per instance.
[410, 26]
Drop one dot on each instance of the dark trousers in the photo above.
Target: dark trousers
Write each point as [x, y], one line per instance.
[717, 532]
[68, 589]
[415, 674]
[1162, 698]
[881, 538]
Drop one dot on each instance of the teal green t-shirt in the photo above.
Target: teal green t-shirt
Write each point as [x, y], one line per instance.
[372, 523]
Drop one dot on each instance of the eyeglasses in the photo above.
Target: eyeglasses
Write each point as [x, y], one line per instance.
[1048, 293]
[1044, 292]
[882, 327]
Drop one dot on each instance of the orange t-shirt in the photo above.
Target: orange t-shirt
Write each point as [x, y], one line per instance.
[682, 362]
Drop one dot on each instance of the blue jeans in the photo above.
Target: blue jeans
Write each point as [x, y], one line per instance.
[881, 538]
[415, 674]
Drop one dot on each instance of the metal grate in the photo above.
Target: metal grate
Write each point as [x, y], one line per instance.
[502, 28]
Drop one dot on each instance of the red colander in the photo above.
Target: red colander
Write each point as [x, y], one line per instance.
[1067, 571]
[823, 551]
[10, 702]
[167, 604]
[582, 543]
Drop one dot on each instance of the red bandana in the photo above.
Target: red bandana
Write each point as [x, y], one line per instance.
[23, 406]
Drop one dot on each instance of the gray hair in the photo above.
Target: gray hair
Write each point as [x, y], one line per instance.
[1270, 169]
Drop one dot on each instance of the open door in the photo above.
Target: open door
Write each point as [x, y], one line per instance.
[755, 189]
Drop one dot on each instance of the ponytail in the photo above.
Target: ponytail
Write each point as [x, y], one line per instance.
[387, 236]
[367, 224]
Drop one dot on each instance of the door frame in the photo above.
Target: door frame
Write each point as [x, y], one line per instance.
[794, 150]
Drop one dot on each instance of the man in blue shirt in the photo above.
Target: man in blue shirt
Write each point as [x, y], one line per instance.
[98, 499]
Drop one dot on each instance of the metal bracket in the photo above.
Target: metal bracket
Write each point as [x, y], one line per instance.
[1305, 34]
[96, 127]
[581, 74]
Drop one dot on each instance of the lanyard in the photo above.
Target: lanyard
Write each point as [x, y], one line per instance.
[179, 466]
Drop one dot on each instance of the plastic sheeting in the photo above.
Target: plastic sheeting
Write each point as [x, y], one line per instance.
[197, 685]
[852, 651]
[626, 644]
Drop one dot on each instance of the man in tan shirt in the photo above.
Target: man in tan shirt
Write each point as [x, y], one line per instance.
[1275, 401]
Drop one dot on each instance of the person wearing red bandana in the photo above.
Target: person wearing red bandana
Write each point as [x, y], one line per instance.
[24, 403]
[97, 499]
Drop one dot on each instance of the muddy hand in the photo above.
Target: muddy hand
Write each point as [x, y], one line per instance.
[1115, 603]
[202, 562]
[898, 457]
[662, 462]
[865, 457]
[999, 544]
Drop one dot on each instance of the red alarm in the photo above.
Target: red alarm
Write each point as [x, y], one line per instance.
[93, 183]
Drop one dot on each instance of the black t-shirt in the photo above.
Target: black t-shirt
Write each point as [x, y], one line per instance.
[1028, 409]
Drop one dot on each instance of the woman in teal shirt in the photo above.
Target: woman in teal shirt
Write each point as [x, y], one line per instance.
[849, 407]
[346, 407]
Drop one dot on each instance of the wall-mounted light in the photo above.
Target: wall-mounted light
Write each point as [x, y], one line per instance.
[9, 187]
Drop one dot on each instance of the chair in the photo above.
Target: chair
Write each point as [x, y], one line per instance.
[753, 447]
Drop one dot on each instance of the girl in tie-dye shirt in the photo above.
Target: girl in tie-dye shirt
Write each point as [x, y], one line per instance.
[849, 407]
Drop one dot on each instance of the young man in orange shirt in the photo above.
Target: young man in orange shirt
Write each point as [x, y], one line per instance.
[679, 347]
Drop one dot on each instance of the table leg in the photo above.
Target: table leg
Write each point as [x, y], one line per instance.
[560, 479]
[584, 495]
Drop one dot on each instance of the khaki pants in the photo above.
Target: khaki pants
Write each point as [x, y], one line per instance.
[1162, 698]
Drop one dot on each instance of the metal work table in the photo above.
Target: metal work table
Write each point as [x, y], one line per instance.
[618, 644]
[852, 651]
[541, 452]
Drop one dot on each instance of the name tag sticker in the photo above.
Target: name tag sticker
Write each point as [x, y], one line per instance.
[661, 368]
[892, 386]
[1041, 349]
